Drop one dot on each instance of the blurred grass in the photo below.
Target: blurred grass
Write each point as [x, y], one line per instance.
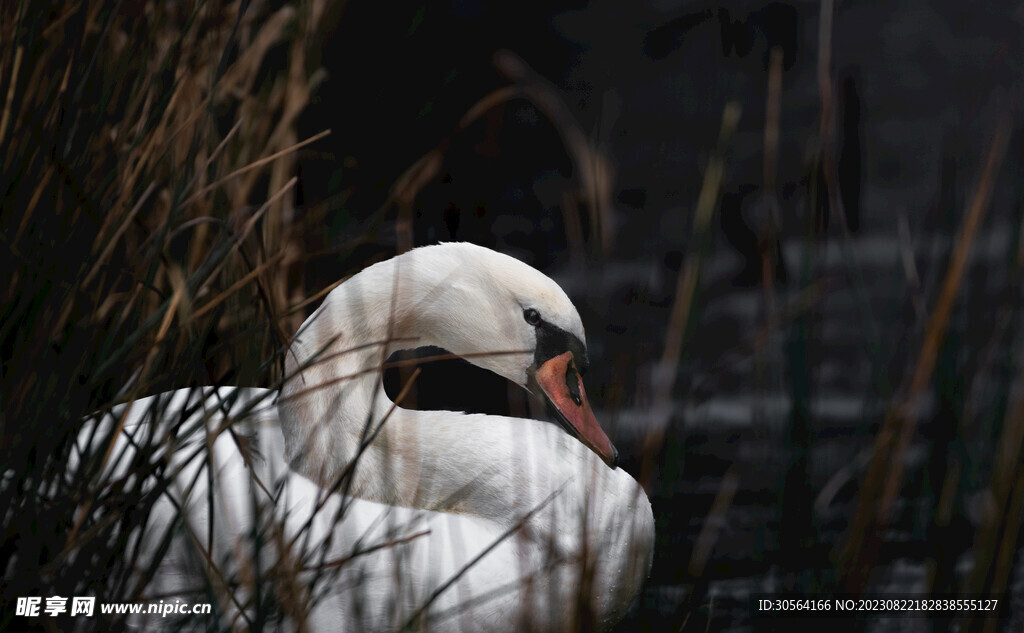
[959, 509]
[147, 174]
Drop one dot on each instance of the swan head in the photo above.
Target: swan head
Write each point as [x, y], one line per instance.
[491, 309]
[505, 316]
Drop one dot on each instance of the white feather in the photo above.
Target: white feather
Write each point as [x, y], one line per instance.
[472, 522]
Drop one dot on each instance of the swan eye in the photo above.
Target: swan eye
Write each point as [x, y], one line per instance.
[532, 316]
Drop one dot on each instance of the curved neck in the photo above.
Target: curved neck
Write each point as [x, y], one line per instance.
[333, 407]
[517, 473]
[338, 421]
[335, 415]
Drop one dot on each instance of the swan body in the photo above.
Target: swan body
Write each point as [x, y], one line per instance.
[396, 519]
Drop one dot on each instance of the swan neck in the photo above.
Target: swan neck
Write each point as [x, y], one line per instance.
[333, 406]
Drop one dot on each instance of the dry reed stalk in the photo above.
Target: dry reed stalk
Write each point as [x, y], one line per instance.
[885, 472]
[592, 167]
[830, 174]
[712, 527]
[997, 537]
[686, 284]
[770, 222]
[111, 123]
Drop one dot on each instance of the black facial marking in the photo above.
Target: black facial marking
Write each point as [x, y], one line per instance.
[553, 340]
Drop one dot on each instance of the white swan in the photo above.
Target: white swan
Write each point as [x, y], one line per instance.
[392, 518]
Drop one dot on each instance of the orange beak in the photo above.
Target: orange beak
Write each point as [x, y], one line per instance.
[563, 387]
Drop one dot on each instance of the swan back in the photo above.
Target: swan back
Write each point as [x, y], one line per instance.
[460, 521]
